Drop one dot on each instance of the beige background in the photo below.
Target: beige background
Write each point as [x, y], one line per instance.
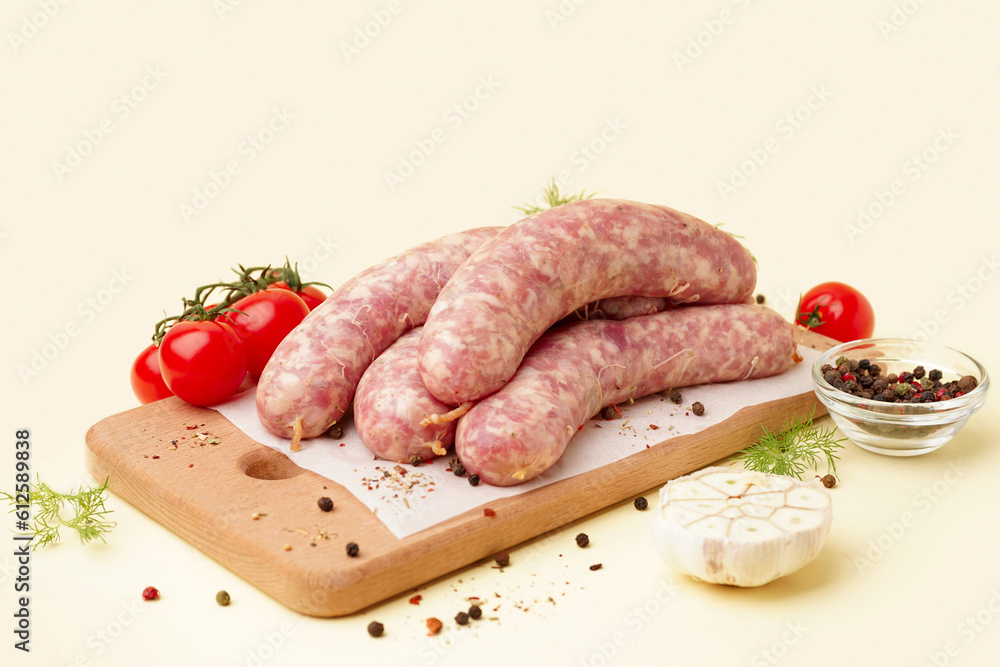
[117, 115]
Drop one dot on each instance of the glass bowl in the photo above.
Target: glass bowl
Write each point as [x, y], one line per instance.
[901, 429]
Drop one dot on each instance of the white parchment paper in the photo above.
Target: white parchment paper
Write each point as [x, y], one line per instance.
[420, 497]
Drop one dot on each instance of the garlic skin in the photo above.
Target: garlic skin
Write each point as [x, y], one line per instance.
[739, 527]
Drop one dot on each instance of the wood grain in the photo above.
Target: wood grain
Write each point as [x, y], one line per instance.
[255, 512]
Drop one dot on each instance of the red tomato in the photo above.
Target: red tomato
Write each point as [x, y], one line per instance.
[147, 383]
[270, 315]
[838, 311]
[312, 295]
[202, 362]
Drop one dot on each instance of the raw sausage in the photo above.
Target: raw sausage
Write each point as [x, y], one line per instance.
[540, 269]
[397, 418]
[309, 382]
[571, 372]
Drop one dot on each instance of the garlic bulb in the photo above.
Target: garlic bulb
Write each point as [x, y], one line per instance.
[739, 527]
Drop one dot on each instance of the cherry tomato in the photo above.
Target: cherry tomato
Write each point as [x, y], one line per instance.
[202, 362]
[270, 315]
[312, 295]
[147, 383]
[838, 311]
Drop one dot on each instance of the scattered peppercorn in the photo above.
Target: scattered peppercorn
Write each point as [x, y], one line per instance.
[829, 481]
[375, 629]
[675, 396]
[609, 412]
[325, 504]
[352, 549]
[416, 460]
[475, 612]
[150, 593]
[640, 503]
[458, 469]
[336, 431]
[222, 597]
[474, 480]
[582, 540]
[502, 559]
[596, 566]
[698, 408]
[462, 618]
[760, 298]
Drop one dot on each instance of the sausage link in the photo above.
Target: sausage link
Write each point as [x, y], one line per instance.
[571, 372]
[311, 377]
[540, 269]
[397, 418]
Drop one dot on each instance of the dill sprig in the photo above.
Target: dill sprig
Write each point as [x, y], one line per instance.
[797, 447]
[85, 509]
[553, 198]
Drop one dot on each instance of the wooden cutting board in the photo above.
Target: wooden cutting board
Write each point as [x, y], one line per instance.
[254, 511]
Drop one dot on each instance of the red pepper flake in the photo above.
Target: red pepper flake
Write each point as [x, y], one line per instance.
[191, 428]
[190, 465]
[416, 599]
[150, 593]
[433, 626]
[489, 512]
[581, 428]
[156, 456]
[653, 426]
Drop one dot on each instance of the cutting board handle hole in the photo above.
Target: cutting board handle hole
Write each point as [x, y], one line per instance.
[266, 463]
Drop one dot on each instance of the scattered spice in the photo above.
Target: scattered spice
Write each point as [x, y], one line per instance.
[474, 480]
[433, 626]
[416, 460]
[336, 431]
[462, 618]
[150, 593]
[458, 469]
[675, 396]
[641, 504]
[375, 629]
[502, 559]
[288, 547]
[489, 512]
[610, 412]
[596, 566]
[325, 504]
[352, 549]
[475, 612]
[653, 427]
[582, 540]
[698, 408]
[222, 597]
[829, 481]
[760, 298]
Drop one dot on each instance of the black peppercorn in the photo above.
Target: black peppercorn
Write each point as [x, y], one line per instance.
[475, 612]
[640, 503]
[325, 504]
[582, 540]
[759, 298]
[874, 370]
[462, 618]
[698, 408]
[829, 481]
[935, 375]
[458, 469]
[474, 480]
[919, 372]
[416, 460]
[864, 364]
[675, 396]
[375, 629]
[352, 549]
[502, 559]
